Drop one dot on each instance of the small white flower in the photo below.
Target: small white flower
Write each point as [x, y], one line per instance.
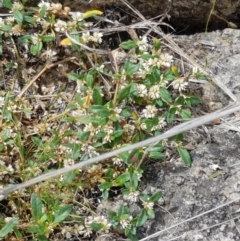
[161, 123]
[166, 60]
[100, 68]
[125, 222]
[76, 16]
[97, 37]
[150, 111]
[141, 73]
[153, 62]
[56, 7]
[179, 84]
[129, 129]
[154, 92]
[117, 161]
[49, 55]
[117, 112]
[143, 44]
[45, 4]
[132, 196]
[9, 21]
[102, 220]
[17, 6]
[142, 90]
[1, 22]
[60, 26]
[88, 149]
[148, 205]
[68, 162]
[86, 37]
[143, 126]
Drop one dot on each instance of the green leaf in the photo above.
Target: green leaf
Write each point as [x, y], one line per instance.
[37, 141]
[105, 186]
[91, 13]
[6, 134]
[72, 76]
[97, 97]
[36, 48]
[5, 28]
[121, 179]
[105, 194]
[185, 114]
[128, 45]
[142, 218]
[62, 213]
[69, 176]
[155, 197]
[179, 100]
[123, 93]
[7, 114]
[165, 95]
[43, 10]
[156, 155]
[89, 80]
[147, 56]
[89, 119]
[36, 229]
[7, 4]
[83, 136]
[17, 233]
[96, 226]
[185, 156]
[177, 138]
[8, 227]
[47, 38]
[36, 205]
[156, 44]
[76, 148]
[99, 110]
[170, 114]
[18, 16]
[130, 68]
[194, 100]
[42, 237]
[150, 213]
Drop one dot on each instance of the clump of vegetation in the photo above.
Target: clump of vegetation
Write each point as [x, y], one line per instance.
[63, 101]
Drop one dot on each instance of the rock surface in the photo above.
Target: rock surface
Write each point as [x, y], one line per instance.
[214, 177]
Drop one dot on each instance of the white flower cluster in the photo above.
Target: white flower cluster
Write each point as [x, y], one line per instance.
[85, 229]
[129, 129]
[60, 26]
[108, 129]
[133, 196]
[96, 37]
[90, 150]
[150, 111]
[143, 44]
[179, 84]
[54, 7]
[76, 16]
[126, 222]
[163, 61]
[16, 6]
[148, 205]
[154, 92]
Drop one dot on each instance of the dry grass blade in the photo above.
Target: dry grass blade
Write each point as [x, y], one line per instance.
[174, 131]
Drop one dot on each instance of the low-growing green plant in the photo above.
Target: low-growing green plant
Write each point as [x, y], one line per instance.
[139, 96]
